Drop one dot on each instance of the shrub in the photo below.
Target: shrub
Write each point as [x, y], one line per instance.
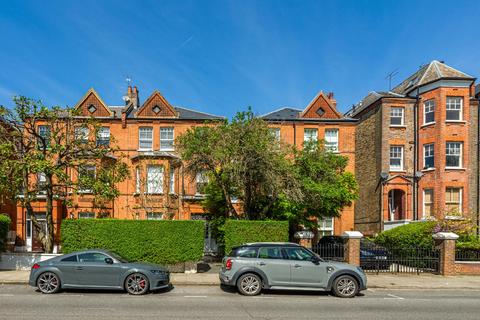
[163, 242]
[238, 232]
[418, 234]
[4, 227]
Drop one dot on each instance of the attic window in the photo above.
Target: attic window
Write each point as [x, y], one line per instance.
[91, 108]
[320, 112]
[156, 109]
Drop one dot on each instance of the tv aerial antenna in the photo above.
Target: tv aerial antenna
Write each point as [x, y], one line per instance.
[389, 77]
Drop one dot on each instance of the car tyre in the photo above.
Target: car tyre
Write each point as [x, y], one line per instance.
[249, 284]
[345, 286]
[137, 284]
[48, 282]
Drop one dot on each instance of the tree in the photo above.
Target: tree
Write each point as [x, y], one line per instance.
[325, 184]
[49, 152]
[244, 161]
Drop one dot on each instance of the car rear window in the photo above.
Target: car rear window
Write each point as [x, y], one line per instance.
[270, 253]
[244, 252]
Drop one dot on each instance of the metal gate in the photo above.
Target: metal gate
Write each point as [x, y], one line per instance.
[330, 251]
[416, 260]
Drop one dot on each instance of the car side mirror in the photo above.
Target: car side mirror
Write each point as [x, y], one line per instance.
[315, 260]
[109, 260]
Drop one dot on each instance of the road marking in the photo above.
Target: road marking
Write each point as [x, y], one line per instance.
[371, 290]
[6, 295]
[392, 296]
[261, 297]
[194, 296]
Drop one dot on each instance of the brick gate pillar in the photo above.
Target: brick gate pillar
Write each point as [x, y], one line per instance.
[352, 247]
[445, 241]
[304, 238]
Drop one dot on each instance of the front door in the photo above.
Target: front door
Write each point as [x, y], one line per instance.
[33, 242]
[272, 261]
[93, 271]
[304, 272]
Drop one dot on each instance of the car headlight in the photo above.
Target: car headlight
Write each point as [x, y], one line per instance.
[159, 272]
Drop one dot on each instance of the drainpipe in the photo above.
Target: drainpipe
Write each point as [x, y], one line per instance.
[415, 158]
[478, 170]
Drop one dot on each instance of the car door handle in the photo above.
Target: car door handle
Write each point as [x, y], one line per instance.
[297, 266]
[79, 268]
[262, 263]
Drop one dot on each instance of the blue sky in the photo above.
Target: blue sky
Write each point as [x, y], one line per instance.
[222, 56]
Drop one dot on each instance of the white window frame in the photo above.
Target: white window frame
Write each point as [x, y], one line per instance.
[45, 131]
[400, 115]
[145, 139]
[449, 105]
[167, 143]
[425, 146]
[155, 180]
[41, 182]
[311, 136]
[460, 161]
[430, 106]
[154, 216]
[323, 229]
[200, 178]
[102, 136]
[172, 181]
[82, 133]
[402, 150]
[432, 212]
[86, 215]
[460, 198]
[86, 168]
[138, 179]
[332, 144]
[276, 133]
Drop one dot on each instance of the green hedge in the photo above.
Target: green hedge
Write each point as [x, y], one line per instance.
[418, 234]
[4, 227]
[238, 232]
[163, 242]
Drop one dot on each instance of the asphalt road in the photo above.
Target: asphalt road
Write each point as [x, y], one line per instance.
[203, 302]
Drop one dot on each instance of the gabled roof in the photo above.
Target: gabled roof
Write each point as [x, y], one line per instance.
[322, 102]
[156, 101]
[93, 98]
[431, 72]
[372, 97]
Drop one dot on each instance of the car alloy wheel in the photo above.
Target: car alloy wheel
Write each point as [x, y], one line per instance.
[136, 283]
[249, 284]
[48, 282]
[345, 287]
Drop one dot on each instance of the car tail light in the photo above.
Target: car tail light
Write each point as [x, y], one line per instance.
[228, 264]
[36, 266]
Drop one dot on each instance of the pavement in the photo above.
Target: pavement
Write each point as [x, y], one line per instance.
[381, 281]
[211, 302]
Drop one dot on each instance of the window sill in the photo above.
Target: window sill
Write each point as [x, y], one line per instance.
[85, 192]
[455, 168]
[428, 169]
[455, 121]
[398, 126]
[398, 171]
[167, 149]
[425, 125]
[145, 150]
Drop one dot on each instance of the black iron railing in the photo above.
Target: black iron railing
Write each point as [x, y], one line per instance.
[463, 254]
[330, 251]
[379, 259]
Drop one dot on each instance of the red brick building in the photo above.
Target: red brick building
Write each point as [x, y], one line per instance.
[320, 120]
[416, 150]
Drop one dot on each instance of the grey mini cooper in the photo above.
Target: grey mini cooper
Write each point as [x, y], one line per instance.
[288, 266]
[97, 269]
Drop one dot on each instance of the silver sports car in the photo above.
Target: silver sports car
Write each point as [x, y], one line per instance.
[97, 269]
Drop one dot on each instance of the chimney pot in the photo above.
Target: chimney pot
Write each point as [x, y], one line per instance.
[135, 90]
[330, 95]
[129, 91]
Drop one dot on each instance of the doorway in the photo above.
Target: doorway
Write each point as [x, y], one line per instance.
[396, 205]
[32, 242]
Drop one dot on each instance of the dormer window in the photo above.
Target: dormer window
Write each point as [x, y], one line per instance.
[91, 108]
[156, 109]
[320, 112]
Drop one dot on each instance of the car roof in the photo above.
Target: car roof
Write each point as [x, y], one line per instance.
[91, 250]
[269, 244]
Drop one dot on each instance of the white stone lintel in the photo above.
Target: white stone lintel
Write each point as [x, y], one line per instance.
[445, 236]
[352, 235]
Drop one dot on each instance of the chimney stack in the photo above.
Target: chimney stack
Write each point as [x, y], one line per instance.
[332, 99]
[132, 95]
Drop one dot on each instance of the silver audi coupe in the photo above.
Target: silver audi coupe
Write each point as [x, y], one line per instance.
[97, 269]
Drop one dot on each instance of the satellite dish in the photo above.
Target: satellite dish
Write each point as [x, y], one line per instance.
[126, 98]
